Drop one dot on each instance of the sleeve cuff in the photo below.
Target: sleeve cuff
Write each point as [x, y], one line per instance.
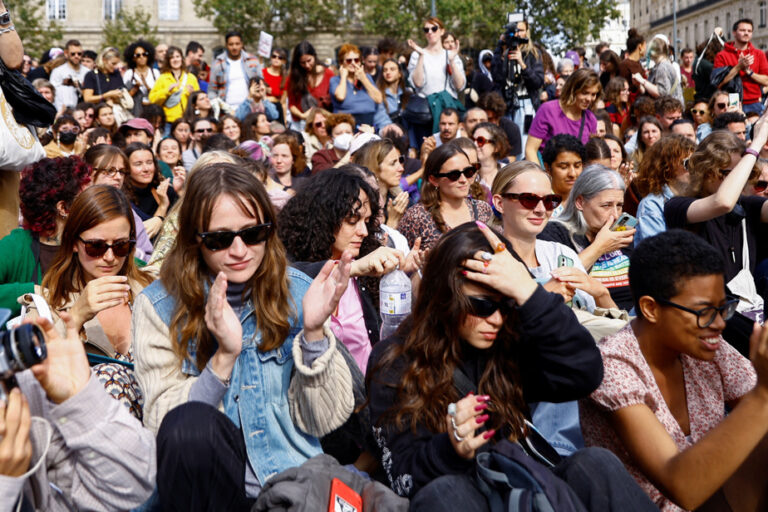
[81, 412]
[10, 490]
[208, 388]
[312, 350]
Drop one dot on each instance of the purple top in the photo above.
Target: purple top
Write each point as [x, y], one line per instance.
[550, 120]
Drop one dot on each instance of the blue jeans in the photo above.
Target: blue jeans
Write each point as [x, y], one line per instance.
[559, 424]
[756, 107]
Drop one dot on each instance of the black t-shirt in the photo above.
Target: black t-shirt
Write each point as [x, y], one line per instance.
[513, 135]
[611, 269]
[100, 83]
[724, 233]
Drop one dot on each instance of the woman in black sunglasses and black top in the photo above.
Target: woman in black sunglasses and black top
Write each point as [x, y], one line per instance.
[230, 326]
[481, 318]
[445, 200]
[94, 280]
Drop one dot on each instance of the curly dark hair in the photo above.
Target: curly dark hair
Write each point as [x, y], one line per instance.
[131, 49]
[309, 221]
[44, 184]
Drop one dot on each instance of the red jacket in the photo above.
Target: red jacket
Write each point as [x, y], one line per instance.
[729, 56]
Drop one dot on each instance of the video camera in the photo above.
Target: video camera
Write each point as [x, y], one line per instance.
[509, 37]
[20, 348]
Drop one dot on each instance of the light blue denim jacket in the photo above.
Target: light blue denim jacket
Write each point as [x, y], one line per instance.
[257, 398]
[650, 214]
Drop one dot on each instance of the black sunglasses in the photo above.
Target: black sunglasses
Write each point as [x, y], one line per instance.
[319, 124]
[75, 54]
[698, 112]
[97, 248]
[760, 186]
[218, 240]
[705, 316]
[454, 175]
[721, 106]
[137, 55]
[485, 307]
[433, 28]
[204, 130]
[530, 201]
[276, 56]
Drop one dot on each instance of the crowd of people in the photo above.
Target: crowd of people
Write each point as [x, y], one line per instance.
[208, 248]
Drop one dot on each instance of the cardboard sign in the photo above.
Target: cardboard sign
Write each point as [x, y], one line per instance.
[265, 45]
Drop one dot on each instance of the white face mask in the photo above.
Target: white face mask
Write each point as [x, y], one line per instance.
[342, 141]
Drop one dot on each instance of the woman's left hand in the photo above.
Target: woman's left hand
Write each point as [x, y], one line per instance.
[500, 270]
[454, 53]
[396, 208]
[359, 72]
[324, 294]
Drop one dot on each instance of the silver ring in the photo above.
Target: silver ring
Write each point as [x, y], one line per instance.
[453, 424]
[457, 437]
[452, 411]
[485, 255]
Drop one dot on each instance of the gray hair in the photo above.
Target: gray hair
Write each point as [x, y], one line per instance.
[594, 179]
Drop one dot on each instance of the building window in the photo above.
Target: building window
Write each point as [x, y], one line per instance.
[727, 22]
[762, 14]
[112, 8]
[57, 9]
[168, 10]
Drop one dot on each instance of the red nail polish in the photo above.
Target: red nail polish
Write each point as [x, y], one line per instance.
[470, 393]
[483, 398]
[482, 419]
[481, 407]
[463, 272]
[489, 434]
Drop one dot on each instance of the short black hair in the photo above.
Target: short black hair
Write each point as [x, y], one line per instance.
[72, 42]
[560, 144]
[193, 46]
[450, 112]
[660, 263]
[232, 33]
[217, 142]
[739, 22]
[722, 121]
[89, 54]
[682, 120]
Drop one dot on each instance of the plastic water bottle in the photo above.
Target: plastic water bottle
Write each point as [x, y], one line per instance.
[394, 301]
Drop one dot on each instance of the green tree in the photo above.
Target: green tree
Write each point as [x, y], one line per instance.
[35, 30]
[129, 26]
[289, 21]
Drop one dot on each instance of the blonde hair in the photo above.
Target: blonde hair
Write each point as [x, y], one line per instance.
[105, 55]
[507, 176]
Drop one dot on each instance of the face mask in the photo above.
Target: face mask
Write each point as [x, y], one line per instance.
[342, 141]
[67, 138]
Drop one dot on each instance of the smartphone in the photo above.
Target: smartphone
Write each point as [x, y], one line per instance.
[733, 99]
[624, 222]
[564, 261]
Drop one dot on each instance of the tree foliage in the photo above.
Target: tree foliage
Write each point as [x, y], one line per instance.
[35, 30]
[559, 24]
[129, 26]
[289, 21]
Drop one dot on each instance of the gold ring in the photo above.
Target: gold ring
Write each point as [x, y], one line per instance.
[500, 247]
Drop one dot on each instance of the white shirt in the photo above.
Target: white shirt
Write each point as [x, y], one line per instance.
[66, 95]
[128, 80]
[237, 86]
[435, 73]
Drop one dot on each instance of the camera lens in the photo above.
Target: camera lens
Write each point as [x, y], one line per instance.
[24, 347]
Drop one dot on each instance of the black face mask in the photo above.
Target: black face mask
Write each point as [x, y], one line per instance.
[67, 138]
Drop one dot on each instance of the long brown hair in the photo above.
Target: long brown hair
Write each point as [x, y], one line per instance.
[93, 206]
[430, 194]
[433, 348]
[185, 273]
[714, 153]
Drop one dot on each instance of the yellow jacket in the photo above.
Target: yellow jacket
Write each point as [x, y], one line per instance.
[160, 93]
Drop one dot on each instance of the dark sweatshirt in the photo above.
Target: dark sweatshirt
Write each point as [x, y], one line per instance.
[558, 362]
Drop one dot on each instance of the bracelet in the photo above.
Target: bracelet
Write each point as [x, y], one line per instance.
[160, 217]
[750, 151]
[751, 72]
[12, 28]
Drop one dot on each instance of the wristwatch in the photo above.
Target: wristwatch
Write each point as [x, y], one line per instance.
[5, 18]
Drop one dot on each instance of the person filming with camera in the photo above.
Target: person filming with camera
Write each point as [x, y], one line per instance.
[518, 72]
[65, 444]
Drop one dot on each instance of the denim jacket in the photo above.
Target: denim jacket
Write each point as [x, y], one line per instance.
[257, 400]
[217, 87]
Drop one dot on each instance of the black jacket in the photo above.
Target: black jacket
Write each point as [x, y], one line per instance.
[532, 75]
[558, 362]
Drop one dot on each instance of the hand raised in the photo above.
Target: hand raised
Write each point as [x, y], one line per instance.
[15, 446]
[322, 297]
[221, 319]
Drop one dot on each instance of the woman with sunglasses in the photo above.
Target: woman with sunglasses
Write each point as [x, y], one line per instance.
[141, 74]
[662, 176]
[481, 314]
[151, 196]
[714, 205]
[94, 279]
[700, 114]
[445, 200]
[109, 166]
[308, 84]
[384, 160]
[276, 77]
[492, 147]
[316, 134]
[595, 203]
[66, 140]
[671, 378]
[433, 69]
[223, 328]
[569, 114]
[353, 91]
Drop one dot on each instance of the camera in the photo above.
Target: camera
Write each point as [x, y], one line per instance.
[509, 37]
[20, 348]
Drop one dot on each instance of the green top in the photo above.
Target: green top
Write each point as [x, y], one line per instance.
[17, 267]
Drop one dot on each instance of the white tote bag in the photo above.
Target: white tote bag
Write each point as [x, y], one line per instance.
[19, 145]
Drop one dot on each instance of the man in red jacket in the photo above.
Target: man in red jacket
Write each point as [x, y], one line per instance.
[747, 62]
